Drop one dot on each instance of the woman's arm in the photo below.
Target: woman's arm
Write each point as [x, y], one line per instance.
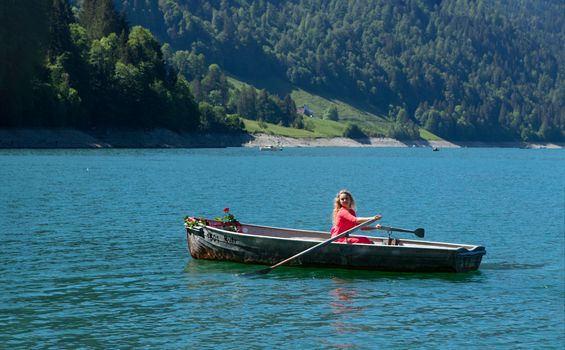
[369, 228]
[361, 220]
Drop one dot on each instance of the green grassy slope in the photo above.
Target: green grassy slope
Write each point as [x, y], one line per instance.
[315, 128]
[370, 122]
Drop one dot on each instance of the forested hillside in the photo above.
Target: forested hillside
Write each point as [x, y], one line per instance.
[489, 70]
[86, 68]
[463, 69]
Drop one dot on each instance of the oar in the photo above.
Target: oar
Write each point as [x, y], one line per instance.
[319, 245]
[418, 232]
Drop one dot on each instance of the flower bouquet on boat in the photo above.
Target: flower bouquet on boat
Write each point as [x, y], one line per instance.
[225, 238]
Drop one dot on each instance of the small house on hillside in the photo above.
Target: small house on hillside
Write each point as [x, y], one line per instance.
[305, 110]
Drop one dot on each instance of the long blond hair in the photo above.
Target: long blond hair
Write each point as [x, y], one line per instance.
[337, 203]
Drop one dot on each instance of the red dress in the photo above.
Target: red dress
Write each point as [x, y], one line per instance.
[346, 219]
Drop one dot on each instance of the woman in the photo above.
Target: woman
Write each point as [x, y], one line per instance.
[344, 218]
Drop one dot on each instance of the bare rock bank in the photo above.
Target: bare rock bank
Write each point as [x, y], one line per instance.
[162, 138]
[158, 138]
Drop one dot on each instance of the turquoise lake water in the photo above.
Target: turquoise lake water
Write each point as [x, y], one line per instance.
[94, 254]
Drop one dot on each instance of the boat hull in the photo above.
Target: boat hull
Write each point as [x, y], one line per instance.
[205, 242]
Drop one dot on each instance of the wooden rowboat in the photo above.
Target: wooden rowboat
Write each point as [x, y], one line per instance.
[255, 244]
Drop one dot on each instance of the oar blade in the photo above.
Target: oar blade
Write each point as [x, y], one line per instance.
[419, 232]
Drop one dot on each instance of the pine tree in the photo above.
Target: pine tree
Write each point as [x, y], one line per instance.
[59, 33]
[246, 102]
[100, 18]
[23, 37]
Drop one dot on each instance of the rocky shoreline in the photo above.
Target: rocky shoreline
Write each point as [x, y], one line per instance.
[161, 138]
